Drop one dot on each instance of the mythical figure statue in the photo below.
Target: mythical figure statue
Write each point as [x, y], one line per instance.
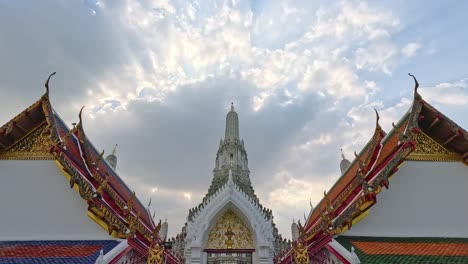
[301, 255]
[156, 254]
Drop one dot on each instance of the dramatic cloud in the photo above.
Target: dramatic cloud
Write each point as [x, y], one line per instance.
[157, 77]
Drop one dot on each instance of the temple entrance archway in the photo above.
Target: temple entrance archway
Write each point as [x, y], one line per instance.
[229, 241]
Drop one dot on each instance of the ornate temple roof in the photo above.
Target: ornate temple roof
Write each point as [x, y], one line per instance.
[423, 133]
[389, 250]
[39, 133]
[54, 251]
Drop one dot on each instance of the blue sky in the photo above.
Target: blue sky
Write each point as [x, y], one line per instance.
[157, 77]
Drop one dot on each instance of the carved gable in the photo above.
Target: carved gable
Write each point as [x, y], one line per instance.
[34, 146]
[229, 232]
[428, 149]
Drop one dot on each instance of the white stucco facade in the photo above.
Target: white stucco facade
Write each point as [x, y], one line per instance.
[230, 196]
[38, 204]
[425, 199]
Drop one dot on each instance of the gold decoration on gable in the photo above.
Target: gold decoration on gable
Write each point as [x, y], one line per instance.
[156, 254]
[230, 232]
[301, 255]
[428, 149]
[33, 146]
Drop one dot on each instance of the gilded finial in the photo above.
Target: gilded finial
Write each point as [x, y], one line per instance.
[47, 82]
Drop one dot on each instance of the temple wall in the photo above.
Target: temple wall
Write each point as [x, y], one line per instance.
[425, 199]
[38, 204]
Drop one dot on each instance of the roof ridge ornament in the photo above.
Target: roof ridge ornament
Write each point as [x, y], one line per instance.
[79, 114]
[377, 115]
[416, 86]
[46, 84]
[401, 136]
[114, 151]
[377, 118]
[79, 126]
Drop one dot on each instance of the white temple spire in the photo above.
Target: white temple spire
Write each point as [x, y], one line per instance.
[232, 126]
[344, 164]
[112, 158]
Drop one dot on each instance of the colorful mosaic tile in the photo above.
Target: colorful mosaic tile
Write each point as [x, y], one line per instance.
[74, 252]
[385, 250]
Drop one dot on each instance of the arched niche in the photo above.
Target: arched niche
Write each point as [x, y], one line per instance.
[259, 227]
[229, 232]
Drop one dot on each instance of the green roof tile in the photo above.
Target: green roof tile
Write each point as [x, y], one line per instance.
[347, 242]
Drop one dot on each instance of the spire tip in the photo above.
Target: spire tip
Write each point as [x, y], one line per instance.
[115, 149]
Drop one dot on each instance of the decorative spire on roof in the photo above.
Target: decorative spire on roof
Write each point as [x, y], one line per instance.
[232, 126]
[344, 164]
[294, 231]
[47, 83]
[163, 230]
[112, 158]
[80, 122]
[231, 155]
[416, 86]
[377, 116]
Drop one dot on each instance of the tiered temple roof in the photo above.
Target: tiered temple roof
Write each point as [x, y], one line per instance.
[423, 134]
[39, 133]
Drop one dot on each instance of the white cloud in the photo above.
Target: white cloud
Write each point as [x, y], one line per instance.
[334, 78]
[175, 46]
[410, 49]
[447, 93]
[378, 57]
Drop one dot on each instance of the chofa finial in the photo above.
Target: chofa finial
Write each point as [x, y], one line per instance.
[47, 82]
[416, 84]
[79, 115]
[377, 117]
